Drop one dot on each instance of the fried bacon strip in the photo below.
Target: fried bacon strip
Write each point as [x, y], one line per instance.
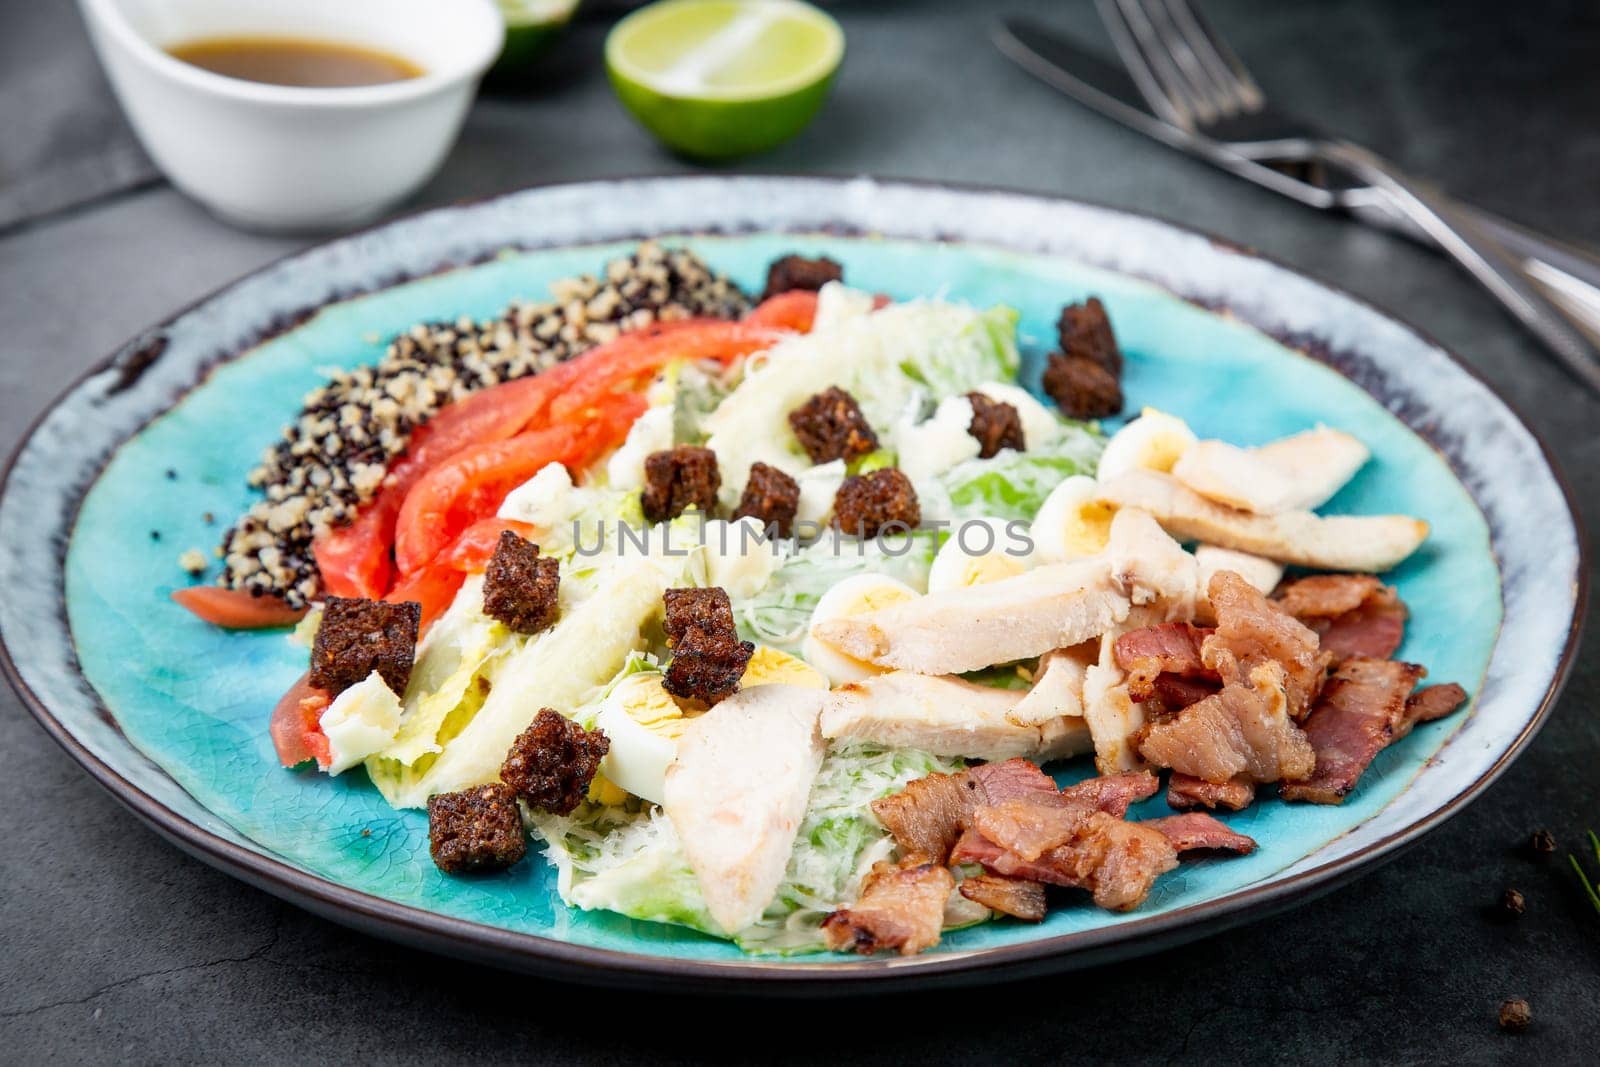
[901, 908]
[1362, 709]
[1353, 614]
[1186, 791]
[1016, 897]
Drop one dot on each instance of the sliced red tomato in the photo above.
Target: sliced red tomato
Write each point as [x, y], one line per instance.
[296, 726]
[794, 310]
[475, 547]
[236, 609]
[472, 484]
[625, 369]
[434, 587]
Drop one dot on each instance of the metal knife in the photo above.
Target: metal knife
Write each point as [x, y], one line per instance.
[1569, 275]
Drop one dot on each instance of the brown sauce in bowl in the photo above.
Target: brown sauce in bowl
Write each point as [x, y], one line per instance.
[295, 61]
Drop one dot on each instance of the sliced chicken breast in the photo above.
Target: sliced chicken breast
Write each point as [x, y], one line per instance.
[1057, 690]
[1338, 542]
[736, 793]
[1056, 606]
[978, 626]
[1236, 477]
[945, 716]
[1319, 462]
[1109, 712]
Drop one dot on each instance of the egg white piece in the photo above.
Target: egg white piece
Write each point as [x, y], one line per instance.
[361, 720]
[643, 724]
[738, 556]
[856, 595]
[978, 551]
[1072, 523]
[651, 432]
[1154, 441]
[929, 448]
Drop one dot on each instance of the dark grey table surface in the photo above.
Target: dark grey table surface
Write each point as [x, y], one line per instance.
[118, 948]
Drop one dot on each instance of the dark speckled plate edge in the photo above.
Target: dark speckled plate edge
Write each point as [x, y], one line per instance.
[536, 954]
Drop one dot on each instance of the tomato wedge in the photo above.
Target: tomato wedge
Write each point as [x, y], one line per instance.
[237, 609]
[794, 310]
[296, 726]
[475, 547]
[631, 368]
[472, 484]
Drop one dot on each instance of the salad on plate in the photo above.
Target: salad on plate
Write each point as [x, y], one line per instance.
[772, 618]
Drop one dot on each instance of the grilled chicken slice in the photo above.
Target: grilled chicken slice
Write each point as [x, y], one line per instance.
[1236, 477]
[1047, 608]
[1113, 718]
[1338, 542]
[1057, 690]
[945, 716]
[736, 793]
[1318, 462]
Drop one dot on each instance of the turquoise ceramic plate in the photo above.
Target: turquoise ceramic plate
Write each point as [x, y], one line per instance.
[170, 714]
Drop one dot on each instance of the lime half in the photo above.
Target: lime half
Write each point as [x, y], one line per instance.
[715, 79]
[530, 27]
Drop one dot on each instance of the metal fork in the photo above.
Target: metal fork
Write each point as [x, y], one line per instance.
[1194, 81]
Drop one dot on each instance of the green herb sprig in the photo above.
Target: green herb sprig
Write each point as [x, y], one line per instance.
[1583, 877]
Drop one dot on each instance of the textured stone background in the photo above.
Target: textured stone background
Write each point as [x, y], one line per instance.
[117, 948]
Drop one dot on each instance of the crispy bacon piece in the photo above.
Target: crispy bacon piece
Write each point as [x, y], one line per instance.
[1116, 861]
[1326, 596]
[1177, 693]
[1186, 791]
[901, 908]
[1028, 828]
[1361, 710]
[1151, 652]
[1113, 793]
[1251, 630]
[1196, 830]
[1016, 897]
[1244, 730]
[1354, 614]
[1433, 702]
[927, 817]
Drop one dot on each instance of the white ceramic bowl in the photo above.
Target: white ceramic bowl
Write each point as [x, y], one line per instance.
[281, 157]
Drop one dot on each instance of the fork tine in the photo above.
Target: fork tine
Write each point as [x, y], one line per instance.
[1217, 97]
[1148, 61]
[1213, 53]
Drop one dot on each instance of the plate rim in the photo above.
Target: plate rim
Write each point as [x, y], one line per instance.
[532, 952]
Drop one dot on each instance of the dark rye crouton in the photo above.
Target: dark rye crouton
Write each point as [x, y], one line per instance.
[706, 666]
[1085, 330]
[995, 425]
[798, 272]
[867, 503]
[1082, 388]
[552, 762]
[520, 587]
[770, 497]
[678, 479]
[477, 829]
[708, 610]
[831, 426]
[357, 637]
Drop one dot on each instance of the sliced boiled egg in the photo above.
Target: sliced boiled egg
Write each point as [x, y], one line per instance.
[1072, 522]
[978, 551]
[1153, 441]
[769, 666]
[856, 595]
[643, 722]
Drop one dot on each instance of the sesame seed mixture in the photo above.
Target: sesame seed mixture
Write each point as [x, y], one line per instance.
[333, 458]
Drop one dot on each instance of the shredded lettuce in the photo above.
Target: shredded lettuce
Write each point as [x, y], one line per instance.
[627, 858]
[1012, 485]
[893, 360]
